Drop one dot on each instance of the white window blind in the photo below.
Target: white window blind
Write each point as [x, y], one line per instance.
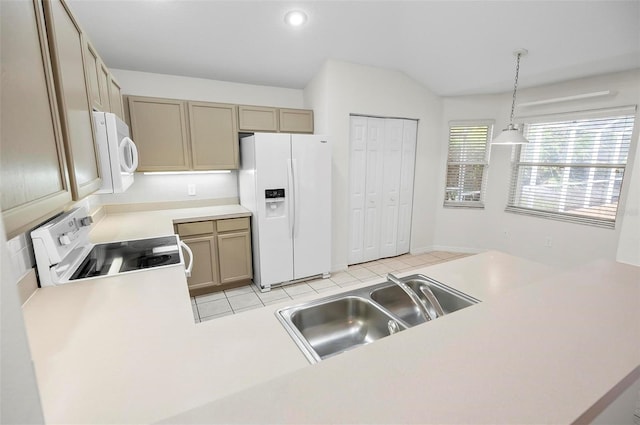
[467, 163]
[572, 169]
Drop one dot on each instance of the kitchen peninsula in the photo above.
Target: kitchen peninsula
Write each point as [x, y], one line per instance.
[543, 346]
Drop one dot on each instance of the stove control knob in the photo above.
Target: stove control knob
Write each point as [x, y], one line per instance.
[86, 221]
[64, 239]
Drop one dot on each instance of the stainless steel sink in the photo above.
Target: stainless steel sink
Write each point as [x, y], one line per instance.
[336, 325]
[394, 299]
[332, 325]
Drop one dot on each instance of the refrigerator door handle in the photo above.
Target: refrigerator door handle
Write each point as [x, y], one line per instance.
[290, 202]
[296, 196]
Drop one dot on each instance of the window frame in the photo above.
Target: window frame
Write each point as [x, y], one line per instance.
[479, 204]
[586, 219]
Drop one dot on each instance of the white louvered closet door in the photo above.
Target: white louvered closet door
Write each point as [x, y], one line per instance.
[391, 187]
[407, 169]
[382, 157]
[357, 179]
[373, 188]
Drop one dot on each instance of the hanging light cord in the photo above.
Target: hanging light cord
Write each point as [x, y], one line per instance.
[515, 88]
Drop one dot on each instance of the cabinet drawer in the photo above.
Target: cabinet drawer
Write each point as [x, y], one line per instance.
[232, 224]
[195, 228]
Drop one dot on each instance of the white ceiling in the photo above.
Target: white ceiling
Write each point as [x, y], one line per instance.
[451, 47]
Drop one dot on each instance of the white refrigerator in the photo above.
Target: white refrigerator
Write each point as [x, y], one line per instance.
[285, 181]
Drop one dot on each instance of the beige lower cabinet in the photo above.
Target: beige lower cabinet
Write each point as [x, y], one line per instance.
[234, 250]
[205, 270]
[221, 251]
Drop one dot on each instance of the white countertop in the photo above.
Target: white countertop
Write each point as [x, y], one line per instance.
[146, 224]
[541, 353]
[125, 349]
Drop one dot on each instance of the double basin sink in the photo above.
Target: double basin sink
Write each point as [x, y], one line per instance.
[328, 326]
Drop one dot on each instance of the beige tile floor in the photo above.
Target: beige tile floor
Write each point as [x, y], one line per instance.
[237, 300]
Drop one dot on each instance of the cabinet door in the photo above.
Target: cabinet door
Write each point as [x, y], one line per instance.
[214, 136]
[409, 140]
[66, 42]
[115, 97]
[205, 267]
[33, 175]
[295, 120]
[159, 128]
[93, 66]
[104, 82]
[234, 253]
[257, 118]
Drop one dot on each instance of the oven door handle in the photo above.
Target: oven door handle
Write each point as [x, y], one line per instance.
[188, 269]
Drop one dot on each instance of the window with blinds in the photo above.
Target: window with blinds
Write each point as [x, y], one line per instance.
[572, 170]
[467, 162]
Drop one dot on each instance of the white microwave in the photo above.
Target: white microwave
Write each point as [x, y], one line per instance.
[118, 154]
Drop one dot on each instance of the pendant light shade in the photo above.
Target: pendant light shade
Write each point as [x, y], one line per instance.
[511, 135]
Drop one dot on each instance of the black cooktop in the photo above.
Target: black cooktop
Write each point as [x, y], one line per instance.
[120, 257]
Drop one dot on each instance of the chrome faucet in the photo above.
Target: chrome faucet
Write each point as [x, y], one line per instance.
[426, 313]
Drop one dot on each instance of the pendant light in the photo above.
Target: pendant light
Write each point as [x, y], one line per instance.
[511, 135]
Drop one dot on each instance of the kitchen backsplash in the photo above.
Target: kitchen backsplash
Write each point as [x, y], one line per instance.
[148, 188]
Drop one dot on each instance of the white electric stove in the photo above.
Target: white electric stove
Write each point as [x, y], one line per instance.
[64, 253]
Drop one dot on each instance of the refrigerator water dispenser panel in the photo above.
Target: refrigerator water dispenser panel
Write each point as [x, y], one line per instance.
[274, 203]
[274, 193]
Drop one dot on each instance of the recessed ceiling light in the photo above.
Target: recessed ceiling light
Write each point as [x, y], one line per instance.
[295, 18]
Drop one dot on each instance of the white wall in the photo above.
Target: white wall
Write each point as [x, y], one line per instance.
[340, 89]
[178, 87]
[474, 230]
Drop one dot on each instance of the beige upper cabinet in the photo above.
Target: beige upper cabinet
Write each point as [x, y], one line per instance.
[104, 90]
[179, 135]
[115, 97]
[214, 136]
[67, 51]
[257, 118]
[33, 178]
[159, 127]
[295, 120]
[98, 90]
[104, 79]
[268, 119]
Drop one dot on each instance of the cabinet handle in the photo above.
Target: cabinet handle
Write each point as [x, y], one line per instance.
[188, 269]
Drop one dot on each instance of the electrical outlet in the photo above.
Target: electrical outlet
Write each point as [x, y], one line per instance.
[548, 242]
[191, 189]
